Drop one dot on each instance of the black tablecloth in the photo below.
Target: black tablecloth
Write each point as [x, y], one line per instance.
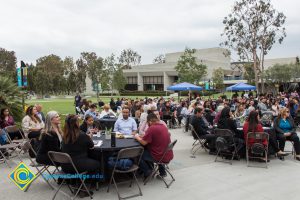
[120, 144]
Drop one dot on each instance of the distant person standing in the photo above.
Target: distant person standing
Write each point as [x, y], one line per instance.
[77, 102]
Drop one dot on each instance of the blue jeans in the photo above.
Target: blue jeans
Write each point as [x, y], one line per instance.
[146, 164]
[3, 137]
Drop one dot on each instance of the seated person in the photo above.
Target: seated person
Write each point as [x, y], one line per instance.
[253, 125]
[107, 112]
[7, 120]
[201, 129]
[88, 125]
[125, 125]
[77, 144]
[226, 122]
[144, 126]
[155, 140]
[92, 111]
[286, 130]
[32, 124]
[51, 138]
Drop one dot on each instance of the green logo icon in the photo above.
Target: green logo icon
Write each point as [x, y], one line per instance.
[22, 176]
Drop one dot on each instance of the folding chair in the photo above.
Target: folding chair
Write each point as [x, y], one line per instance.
[292, 151]
[225, 145]
[155, 171]
[12, 129]
[41, 168]
[257, 149]
[8, 147]
[198, 143]
[58, 158]
[128, 153]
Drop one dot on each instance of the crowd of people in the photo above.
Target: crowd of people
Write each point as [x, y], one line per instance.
[149, 120]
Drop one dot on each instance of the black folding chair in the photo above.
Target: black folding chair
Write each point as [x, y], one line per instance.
[41, 168]
[155, 171]
[257, 150]
[225, 145]
[58, 158]
[198, 143]
[134, 153]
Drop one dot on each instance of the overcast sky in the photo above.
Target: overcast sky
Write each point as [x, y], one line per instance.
[35, 28]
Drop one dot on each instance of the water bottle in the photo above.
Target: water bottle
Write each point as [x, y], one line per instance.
[113, 139]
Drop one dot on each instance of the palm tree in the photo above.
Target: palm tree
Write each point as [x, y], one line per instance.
[11, 97]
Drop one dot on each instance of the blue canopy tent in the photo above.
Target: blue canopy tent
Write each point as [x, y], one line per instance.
[240, 87]
[184, 87]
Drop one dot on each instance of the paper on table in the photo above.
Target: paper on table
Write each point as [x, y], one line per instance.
[100, 142]
[128, 136]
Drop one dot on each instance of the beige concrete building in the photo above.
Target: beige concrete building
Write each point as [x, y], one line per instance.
[161, 76]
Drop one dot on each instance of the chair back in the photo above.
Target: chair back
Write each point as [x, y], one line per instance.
[169, 148]
[225, 139]
[59, 157]
[194, 134]
[130, 153]
[11, 129]
[258, 136]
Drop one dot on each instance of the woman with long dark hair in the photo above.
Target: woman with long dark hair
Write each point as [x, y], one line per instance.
[253, 125]
[32, 124]
[6, 119]
[77, 144]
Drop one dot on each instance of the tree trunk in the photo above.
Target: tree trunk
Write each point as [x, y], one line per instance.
[255, 71]
[262, 73]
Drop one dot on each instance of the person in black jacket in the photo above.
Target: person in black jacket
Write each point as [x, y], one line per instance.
[286, 130]
[51, 138]
[201, 129]
[226, 122]
[77, 144]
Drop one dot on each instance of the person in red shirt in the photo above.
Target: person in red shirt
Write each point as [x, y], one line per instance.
[253, 125]
[155, 140]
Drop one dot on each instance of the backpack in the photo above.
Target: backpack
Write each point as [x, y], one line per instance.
[122, 164]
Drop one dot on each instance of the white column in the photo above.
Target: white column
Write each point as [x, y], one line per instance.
[140, 82]
[166, 81]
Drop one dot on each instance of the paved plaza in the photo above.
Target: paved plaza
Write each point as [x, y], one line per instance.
[196, 178]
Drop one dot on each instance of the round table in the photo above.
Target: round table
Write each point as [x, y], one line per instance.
[120, 144]
[107, 149]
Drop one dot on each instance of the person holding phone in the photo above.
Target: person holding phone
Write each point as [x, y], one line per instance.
[88, 126]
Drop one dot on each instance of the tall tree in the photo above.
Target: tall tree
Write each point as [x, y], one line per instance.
[49, 70]
[188, 69]
[95, 68]
[249, 73]
[110, 68]
[251, 29]
[119, 79]
[8, 63]
[129, 58]
[160, 59]
[279, 74]
[218, 78]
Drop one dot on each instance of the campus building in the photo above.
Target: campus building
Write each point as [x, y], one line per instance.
[159, 77]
